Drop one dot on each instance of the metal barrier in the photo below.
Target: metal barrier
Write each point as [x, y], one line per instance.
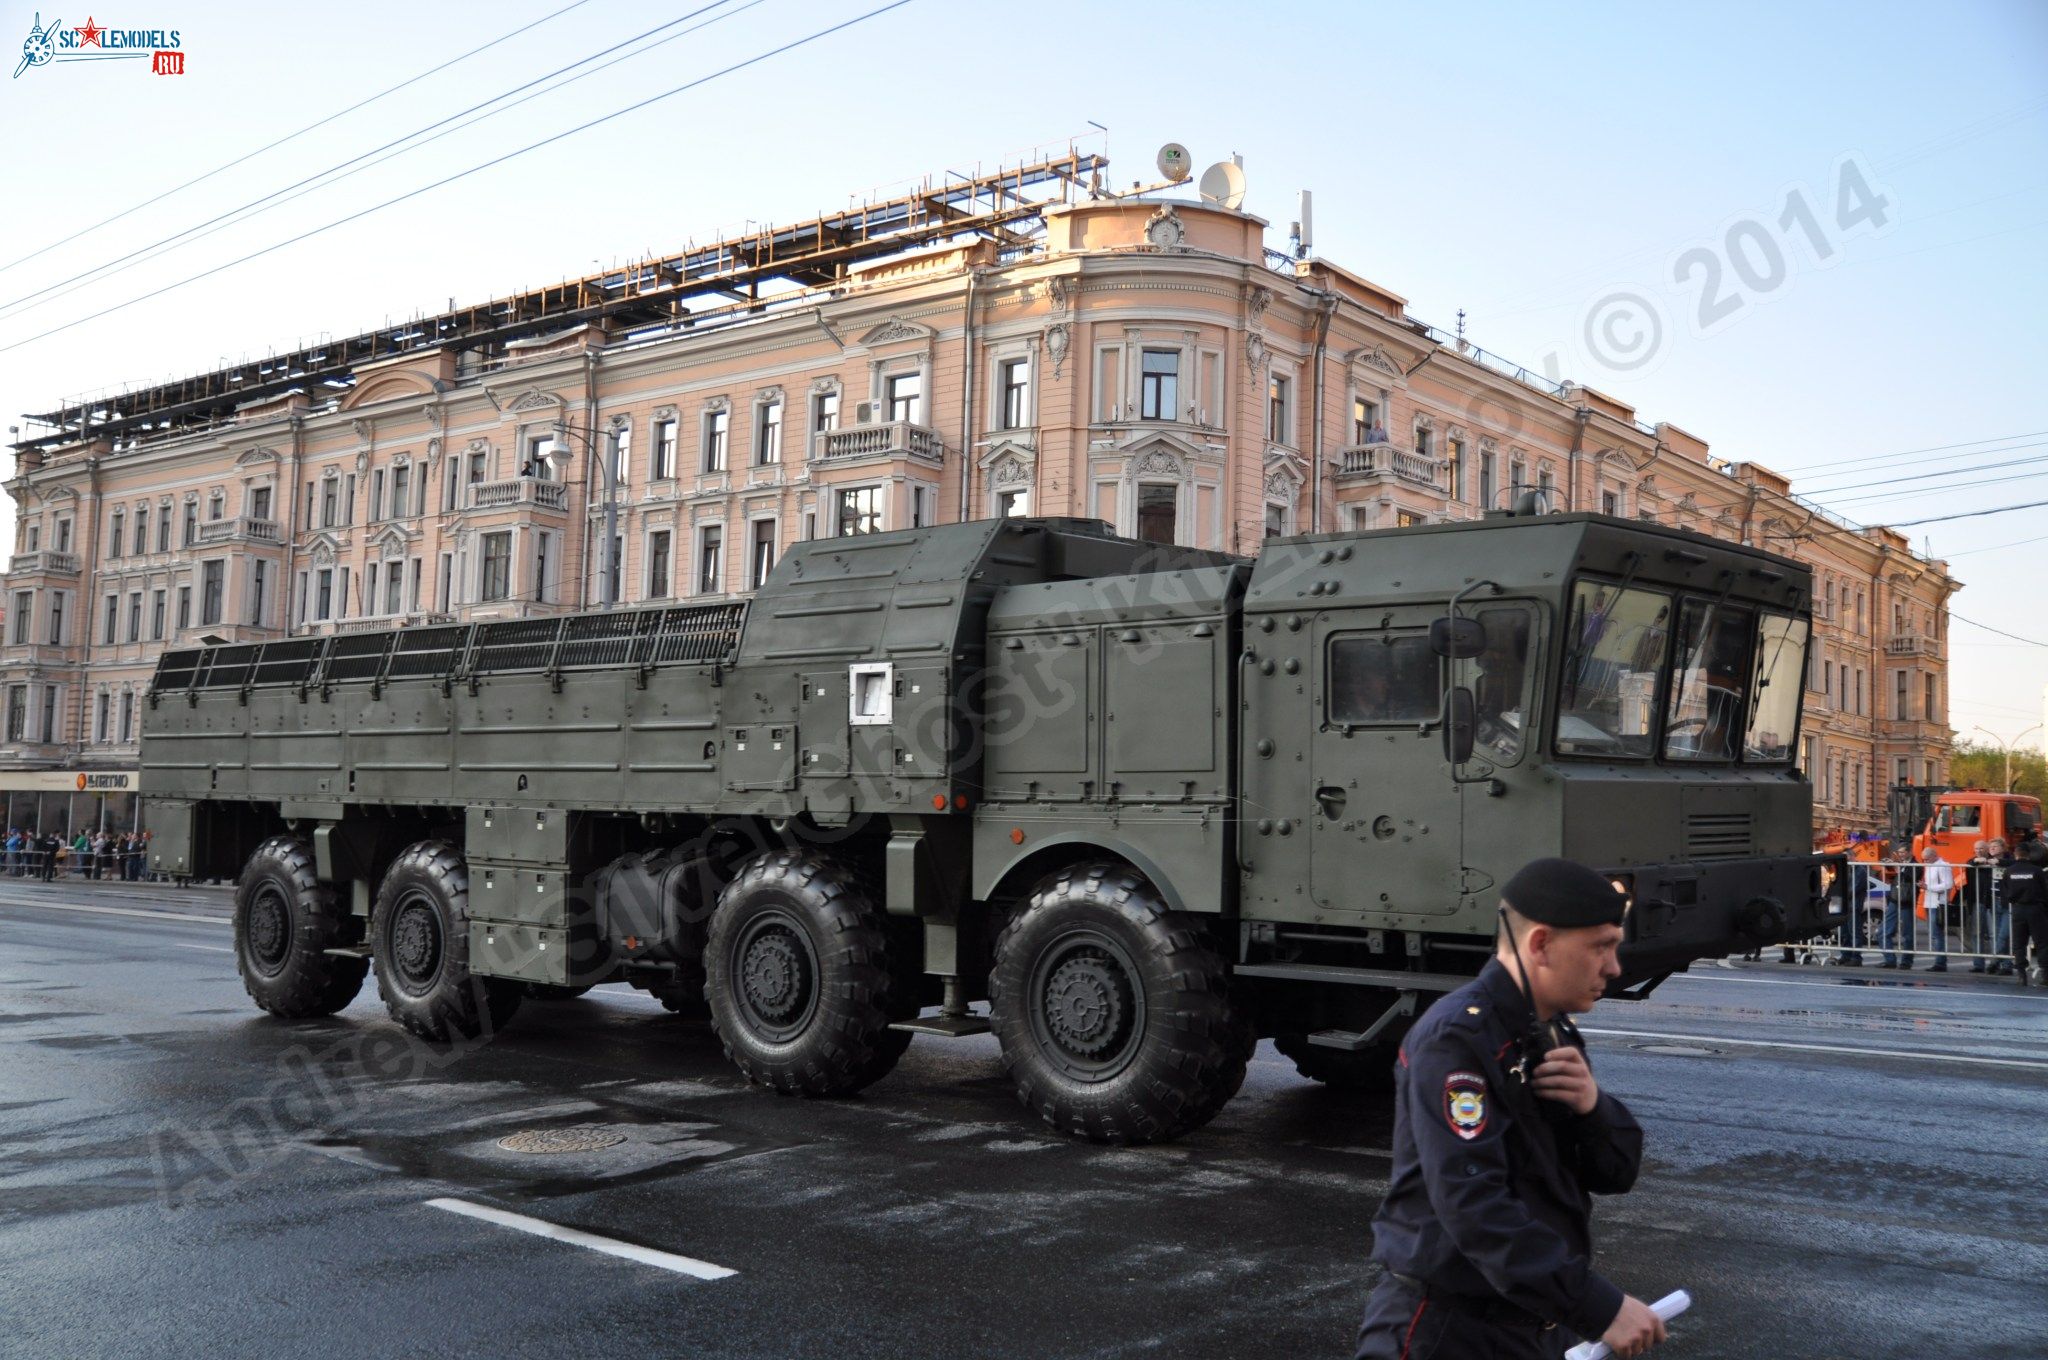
[1891, 917]
[65, 863]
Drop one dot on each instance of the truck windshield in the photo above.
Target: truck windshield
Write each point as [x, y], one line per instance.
[1710, 689]
[1614, 647]
[1774, 710]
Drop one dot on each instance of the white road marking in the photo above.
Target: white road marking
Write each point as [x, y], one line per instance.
[209, 948]
[2006, 989]
[662, 1260]
[121, 911]
[1816, 1048]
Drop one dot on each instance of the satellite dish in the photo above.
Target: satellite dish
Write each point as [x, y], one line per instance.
[1173, 162]
[1223, 185]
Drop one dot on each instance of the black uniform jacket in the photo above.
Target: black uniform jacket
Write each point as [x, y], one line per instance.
[1491, 1193]
[2026, 887]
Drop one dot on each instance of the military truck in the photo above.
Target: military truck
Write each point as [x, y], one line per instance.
[1149, 803]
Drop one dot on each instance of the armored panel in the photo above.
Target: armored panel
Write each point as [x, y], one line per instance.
[538, 836]
[761, 757]
[356, 656]
[1160, 711]
[422, 653]
[514, 893]
[1038, 717]
[521, 952]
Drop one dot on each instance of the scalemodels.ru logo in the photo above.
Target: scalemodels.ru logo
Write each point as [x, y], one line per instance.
[57, 43]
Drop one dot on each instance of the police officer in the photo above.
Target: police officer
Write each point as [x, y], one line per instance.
[2026, 895]
[1500, 1136]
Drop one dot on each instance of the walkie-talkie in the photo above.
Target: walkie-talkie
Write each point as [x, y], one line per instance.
[1538, 1037]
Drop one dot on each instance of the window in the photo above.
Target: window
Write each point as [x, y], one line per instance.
[415, 573]
[330, 502]
[622, 454]
[1827, 680]
[1384, 678]
[323, 593]
[1710, 686]
[1859, 689]
[1929, 684]
[127, 716]
[1276, 521]
[810, 525]
[184, 607]
[17, 712]
[495, 580]
[543, 553]
[1487, 471]
[1159, 384]
[1407, 519]
[156, 617]
[1902, 703]
[135, 616]
[212, 580]
[63, 535]
[1780, 660]
[141, 528]
[1610, 503]
[1157, 503]
[377, 495]
[761, 557]
[539, 461]
[906, 398]
[35, 538]
[259, 590]
[860, 511]
[1364, 415]
[1902, 770]
[99, 731]
[1546, 483]
[259, 503]
[57, 618]
[658, 564]
[112, 623]
[715, 423]
[1518, 477]
[710, 560]
[920, 506]
[401, 491]
[1615, 648]
[1454, 469]
[1015, 382]
[479, 468]
[768, 434]
[49, 713]
[1279, 428]
[24, 616]
[1425, 441]
[1014, 503]
[824, 412]
[114, 533]
[444, 588]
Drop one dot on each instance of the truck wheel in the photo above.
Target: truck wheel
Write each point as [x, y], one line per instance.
[285, 921]
[1370, 1070]
[799, 978]
[422, 949]
[1112, 1010]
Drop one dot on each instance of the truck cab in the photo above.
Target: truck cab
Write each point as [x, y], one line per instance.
[1964, 817]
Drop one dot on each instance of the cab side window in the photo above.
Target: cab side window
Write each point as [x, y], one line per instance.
[1383, 678]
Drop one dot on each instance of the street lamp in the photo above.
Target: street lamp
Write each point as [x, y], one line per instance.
[608, 572]
[2006, 746]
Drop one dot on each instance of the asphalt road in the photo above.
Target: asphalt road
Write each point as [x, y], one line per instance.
[1840, 1165]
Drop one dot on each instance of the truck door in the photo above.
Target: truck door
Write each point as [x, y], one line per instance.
[1382, 811]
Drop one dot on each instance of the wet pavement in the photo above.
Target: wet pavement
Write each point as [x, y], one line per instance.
[1839, 1164]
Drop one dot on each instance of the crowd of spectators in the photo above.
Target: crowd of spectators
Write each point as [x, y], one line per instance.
[122, 855]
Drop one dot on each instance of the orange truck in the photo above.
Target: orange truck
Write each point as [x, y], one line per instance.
[1963, 817]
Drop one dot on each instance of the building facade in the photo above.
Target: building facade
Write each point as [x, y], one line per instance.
[1144, 362]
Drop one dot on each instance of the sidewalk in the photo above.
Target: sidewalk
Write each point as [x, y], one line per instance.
[144, 897]
[1957, 976]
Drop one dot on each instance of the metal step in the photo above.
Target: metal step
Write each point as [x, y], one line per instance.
[349, 951]
[945, 1026]
[1359, 977]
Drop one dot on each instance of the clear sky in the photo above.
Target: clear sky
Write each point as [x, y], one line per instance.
[1545, 169]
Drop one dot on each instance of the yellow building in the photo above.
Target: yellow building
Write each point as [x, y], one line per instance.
[1012, 345]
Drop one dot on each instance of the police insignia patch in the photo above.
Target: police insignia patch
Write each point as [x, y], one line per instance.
[1465, 1104]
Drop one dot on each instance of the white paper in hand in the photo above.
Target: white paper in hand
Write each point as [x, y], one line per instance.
[1667, 1308]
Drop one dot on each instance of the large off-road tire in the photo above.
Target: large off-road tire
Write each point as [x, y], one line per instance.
[1113, 1012]
[1369, 1070]
[799, 977]
[285, 921]
[421, 929]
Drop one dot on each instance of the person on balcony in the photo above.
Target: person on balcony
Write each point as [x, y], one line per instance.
[1377, 434]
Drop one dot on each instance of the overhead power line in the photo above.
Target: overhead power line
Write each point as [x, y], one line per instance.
[1967, 514]
[1930, 476]
[2031, 642]
[634, 107]
[1865, 458]
[331, 175]
[1935, 490]
[290, 136]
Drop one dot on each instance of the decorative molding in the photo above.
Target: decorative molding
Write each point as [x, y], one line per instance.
[1157, 461]
[1281, 487]
[1058, 338]
[437, 419]
[895, 329]
[1255, 354]
[366, 431]
[1010, 470]
[721, 402]
[768, 395]
[258, 453]
[1377, 357]
[1058, 292]
[1255, 306]
[433, 456]
[1164, 230]
[533, 399]
[819, 385]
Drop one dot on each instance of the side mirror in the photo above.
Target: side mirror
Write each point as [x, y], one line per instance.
[1457, 639]
[1460, 721]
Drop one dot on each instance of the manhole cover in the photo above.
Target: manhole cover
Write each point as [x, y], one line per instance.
[1678, 1050]
[587, 1138]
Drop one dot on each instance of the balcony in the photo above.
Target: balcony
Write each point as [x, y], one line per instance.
[241, 529]
[44, 563]
[518, 491]
[1388, 463]
[897, 439]
[1913, 644]
[378, 623]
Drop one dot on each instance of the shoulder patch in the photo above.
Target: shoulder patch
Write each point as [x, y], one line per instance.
[1465, 1104]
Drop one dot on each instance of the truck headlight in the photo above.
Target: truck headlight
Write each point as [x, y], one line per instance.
[1625, 884]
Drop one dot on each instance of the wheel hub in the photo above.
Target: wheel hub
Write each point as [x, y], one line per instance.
[773, 976]
[1088, 1004]
[270, 930]
[416, 944]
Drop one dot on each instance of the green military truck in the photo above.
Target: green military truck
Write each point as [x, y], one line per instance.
[1148, 803]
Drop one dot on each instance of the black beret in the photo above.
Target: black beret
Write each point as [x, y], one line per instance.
[1563, 892]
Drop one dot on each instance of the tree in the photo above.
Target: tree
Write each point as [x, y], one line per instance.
[1974, 765]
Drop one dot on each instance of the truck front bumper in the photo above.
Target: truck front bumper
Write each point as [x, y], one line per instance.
[1682, 912]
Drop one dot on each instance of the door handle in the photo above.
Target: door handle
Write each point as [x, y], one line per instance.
[1331, 799]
